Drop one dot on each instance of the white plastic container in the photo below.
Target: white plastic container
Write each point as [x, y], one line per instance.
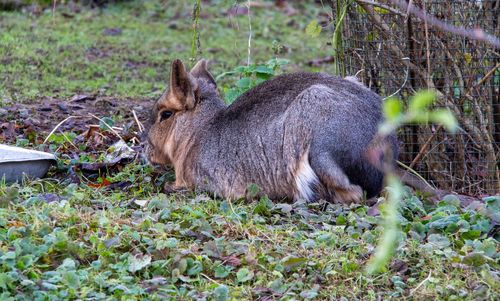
[15, 162]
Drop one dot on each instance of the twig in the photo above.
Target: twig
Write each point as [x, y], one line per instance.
[383, 6]
[108, 126]
[424, 147]
[249, 34]
[410, 3]
[482, 80]
[69, 141]
[407, 71]
[357, 73]
[139, 124]
[427, 48]
[195, 43]
[385, 31]
[54, 3]
[421, 283]
[475, 34]
[210, 279]
[58, 125]
[415, 173]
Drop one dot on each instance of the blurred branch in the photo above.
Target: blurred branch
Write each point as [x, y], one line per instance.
[383, 6]
[397, 52]
[475, 34]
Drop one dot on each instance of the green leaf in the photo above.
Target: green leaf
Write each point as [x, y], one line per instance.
[475, 259]
[105, 123]
[195, 269]
[222, 271]
[291, 263]
[231, 95]
[221, 293]
[68, 264]
[277, 62]
[244, 275]
[243, 83]
[71, 279]
[421, 100]
[388, 241]
[444, 222]
[263, 207]
[310, 294]
[392, 109]
[168, 243]
[446, 118]
[341, 220]
[138, 262]
[252, 190]
[488, 247]
[5, 281]
[437, 241]
[308, 244]
[471, 234]
[313, 29]
[264, 69]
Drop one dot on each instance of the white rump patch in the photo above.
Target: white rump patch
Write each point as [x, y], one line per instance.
[305, 180]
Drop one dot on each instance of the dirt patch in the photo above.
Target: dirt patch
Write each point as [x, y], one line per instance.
[35, 121]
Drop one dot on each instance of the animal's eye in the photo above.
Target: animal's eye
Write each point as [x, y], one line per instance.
[165, 115]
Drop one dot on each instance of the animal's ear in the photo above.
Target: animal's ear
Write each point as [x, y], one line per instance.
[200, 70]
[183, 86]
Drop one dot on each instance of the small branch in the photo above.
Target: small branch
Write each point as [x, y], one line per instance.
[421, 283]
[249, 34]
[482, 80]
[407, 72]
[424, 147]
[383, 6]
[474, 34]
[139, 124]
[109, 127]
[427, 48]
[212, 280]
[58, 125]
[385, 31]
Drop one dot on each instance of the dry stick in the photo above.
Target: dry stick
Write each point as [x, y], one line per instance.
[139, 124]
[214, 281]
[69, 141]
[482, 80]
[385, 32]
[58, 125]
[424, 147]
[427, 143]
[427, 50]
[421, 283]
[407, 72]
[249, 33]
[410, 3]
[383, 6]
[475, 34]
[54, 3]
[108, 126]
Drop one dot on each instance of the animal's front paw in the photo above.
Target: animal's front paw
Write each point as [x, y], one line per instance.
[170, 188]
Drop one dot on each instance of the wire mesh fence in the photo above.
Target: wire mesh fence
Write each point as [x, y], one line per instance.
[396, 54]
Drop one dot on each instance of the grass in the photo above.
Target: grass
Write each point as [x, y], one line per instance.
[112, 234]
[125, 50]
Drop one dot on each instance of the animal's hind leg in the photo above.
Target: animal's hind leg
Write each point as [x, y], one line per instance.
[337, 187]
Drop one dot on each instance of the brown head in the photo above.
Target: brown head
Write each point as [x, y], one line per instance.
[174, 113]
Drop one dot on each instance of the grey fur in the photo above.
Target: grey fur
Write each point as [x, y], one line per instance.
[272, 134]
